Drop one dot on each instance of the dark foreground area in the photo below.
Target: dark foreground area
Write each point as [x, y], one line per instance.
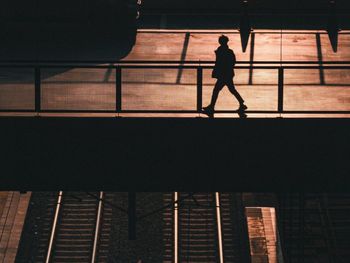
[160, 154]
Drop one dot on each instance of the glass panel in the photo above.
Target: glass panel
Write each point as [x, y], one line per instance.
[78, 89]
[16, 89]
[258, 87]
[314, 89]
[159, 89]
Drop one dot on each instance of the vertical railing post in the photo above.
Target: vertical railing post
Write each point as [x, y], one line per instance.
[280, 89]
[37, 83]
[199, 89]
[118, 93]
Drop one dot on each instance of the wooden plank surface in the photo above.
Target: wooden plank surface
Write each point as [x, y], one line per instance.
[11, 224]
[3, 197]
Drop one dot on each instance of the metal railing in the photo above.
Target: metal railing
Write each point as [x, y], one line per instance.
[199, 66]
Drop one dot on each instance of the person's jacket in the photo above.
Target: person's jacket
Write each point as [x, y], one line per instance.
[224, 63]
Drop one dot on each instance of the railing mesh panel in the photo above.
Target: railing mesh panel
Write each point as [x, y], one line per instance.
[317, 89]
[78, 89]
[17, 89]
[159, 89]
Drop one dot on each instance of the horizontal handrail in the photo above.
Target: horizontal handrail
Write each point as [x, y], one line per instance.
[152, 62]
[312, 112]
[170, 67]
[37, 67]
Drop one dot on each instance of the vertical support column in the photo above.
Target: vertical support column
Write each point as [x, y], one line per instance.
[37, 83]
[118, 86]
[132, 215]
[280, 89]
[199, 89]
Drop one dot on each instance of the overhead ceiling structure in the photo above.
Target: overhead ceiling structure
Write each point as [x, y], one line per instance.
[246, 15]
[234, 6]
[67, 30]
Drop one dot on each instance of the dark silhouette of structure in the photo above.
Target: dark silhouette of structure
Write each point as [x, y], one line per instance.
[78, 30]
[224, 73]
[245, 27]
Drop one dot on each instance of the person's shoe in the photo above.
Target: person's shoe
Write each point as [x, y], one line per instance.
[242, 115]
[242, 107]
[208, 111]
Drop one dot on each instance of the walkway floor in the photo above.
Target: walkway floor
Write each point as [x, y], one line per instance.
[175, 89]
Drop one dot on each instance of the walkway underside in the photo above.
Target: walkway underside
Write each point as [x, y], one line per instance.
[149, 154]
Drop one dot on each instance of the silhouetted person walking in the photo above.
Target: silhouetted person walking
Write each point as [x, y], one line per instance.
[223, 71]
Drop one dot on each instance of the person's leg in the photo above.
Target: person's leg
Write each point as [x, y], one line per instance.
[217, 88]
[235, 93]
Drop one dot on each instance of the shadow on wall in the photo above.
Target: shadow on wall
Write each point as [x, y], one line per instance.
[66, 30]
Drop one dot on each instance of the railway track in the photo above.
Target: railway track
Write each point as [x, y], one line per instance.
[202, 227]
[197, 227]
[79, 230]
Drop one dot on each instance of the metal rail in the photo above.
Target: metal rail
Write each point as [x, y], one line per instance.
[176, 228]
[55, 223]
[97, 228]
[218, 221]
[54, 226]
[217, 216]
[197, 65]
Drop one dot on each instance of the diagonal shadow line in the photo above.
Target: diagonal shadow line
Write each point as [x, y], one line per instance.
[320, 57]
[107, 75]
[183, 56]
[251, 58]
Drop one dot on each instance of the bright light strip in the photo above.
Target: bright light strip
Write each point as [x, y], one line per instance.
[218, 219]
[176, 230]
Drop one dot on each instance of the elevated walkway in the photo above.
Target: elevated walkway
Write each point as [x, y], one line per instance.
[168, 73]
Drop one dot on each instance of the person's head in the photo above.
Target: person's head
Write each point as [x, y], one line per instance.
[223, 40]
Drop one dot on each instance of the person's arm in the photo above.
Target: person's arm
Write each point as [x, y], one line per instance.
[216, 58]
[233, 59]
[214, 72]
